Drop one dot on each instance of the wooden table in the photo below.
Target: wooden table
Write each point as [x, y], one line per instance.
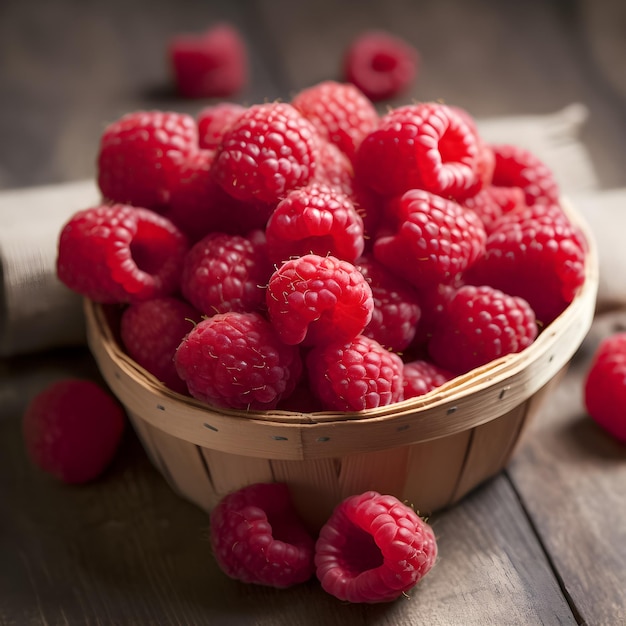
[544, 542]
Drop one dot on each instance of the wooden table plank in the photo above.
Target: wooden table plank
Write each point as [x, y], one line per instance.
[571, 477]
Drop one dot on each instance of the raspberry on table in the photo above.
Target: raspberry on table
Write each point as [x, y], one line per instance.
[138, 154]
[396, 306]
[380, 64]
[373, 548]
[419, 146]
[422, 376]
[435, 240]
[257, 537]
[604, 390]
[214, 120]
[353, 376]
[267, 152]
[213, 64]
[72, 430]
[152, 330]
[518, 167]
[315, 219]
[340, 112]
[317, 300]
[226, 273]
[119, 253]
[535, 253]
[237, 360]
[481, 324]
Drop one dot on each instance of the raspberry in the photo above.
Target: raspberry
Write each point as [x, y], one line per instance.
[138, 154]
[72, 430]
[315, 219]
[492, 202]
[537, 254]
[212, 64]
[355, 376]
[422, 376]
[313, 299]
[236, 360]
[214, 120]
[518, 167]
[433, 301]
[481, 324]
[268, 151]
[120, 253]
[198, 205]
[334, 168]
[396, 306]
[340, 112]
[226, 273]
[436, 240]
[605, 386]
[373, 549]
[382, 65]
[152, 330]
[419, 146]
[257, 537]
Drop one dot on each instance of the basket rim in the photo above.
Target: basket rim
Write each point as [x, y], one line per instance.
[451, 408]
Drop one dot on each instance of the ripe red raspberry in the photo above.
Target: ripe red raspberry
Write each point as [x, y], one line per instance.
[340, 112]
[492, 202]
[354, 376]
[152, 330]
[268, 151]
[535, 253]
[226, 273]
[212, 64]
[436, 239]
[605, 386]
[433, 301]
[120, 253]
[257, 537]
[382, 65]
[314, 299]
[315, 219]
[72, 430]
[214, 120]
[236, 360]
[373, 548]
[138, 154]
[481, 324]
[396, 306]
[518, 167]
[421, 376]
[419, 146]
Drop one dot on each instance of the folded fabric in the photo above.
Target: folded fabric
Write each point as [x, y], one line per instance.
[38, 312]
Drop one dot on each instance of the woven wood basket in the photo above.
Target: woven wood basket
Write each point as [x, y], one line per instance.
[430, 451]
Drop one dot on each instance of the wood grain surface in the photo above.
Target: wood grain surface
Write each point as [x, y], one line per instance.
[544, 542]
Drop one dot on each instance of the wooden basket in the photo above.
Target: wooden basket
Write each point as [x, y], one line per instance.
[429, 451]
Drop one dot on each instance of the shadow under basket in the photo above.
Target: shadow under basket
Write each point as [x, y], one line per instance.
[429, 451]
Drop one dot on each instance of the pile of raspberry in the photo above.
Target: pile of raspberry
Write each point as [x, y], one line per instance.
[317, 254]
